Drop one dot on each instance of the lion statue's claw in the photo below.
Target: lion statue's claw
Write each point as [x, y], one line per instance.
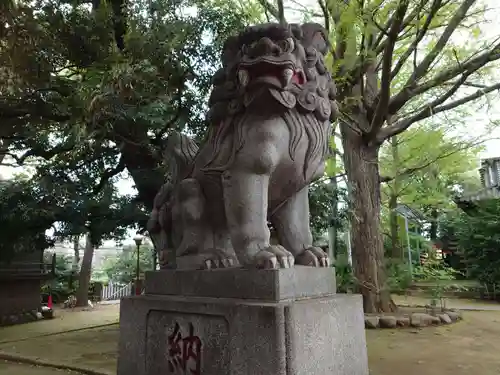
[218, 259]
[273, 257]
[313, 257]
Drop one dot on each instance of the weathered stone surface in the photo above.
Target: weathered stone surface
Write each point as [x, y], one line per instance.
[403, 321]
[372, 321]
[271, 285]
[319, 336]
[445, 318]
[388, 322]
[421, 320]
[456, 311]
[435, 320]
[454, 316]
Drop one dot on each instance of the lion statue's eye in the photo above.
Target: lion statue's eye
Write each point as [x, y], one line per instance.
[287, 45]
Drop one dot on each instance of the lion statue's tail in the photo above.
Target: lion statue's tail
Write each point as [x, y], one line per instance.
[180, 153]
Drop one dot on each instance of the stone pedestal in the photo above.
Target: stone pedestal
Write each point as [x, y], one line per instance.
[242, 322]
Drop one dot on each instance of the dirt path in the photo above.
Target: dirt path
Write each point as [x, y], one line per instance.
[468, 347]
[94, 349]
[452, 303]
[65, 320]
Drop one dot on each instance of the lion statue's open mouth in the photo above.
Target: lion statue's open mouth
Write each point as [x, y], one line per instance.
[287, 62]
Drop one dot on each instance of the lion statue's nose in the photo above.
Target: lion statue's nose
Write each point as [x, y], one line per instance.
[264, 47]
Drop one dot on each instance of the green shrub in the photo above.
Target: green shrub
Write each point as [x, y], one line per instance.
[345, 277]
[398, 276]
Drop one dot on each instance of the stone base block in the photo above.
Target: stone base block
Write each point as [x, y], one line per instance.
[168, 334]
[268, 285]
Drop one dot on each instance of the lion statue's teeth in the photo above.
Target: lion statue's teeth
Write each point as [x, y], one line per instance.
[243, 77]
[287, 76]
[291, 45]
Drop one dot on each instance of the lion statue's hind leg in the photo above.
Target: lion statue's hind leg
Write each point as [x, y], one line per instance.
[291, 222]
[197, 233]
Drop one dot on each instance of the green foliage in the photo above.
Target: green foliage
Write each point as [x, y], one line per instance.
[64, 267]
[436, 272]
[430, 164]
[477, 232]
[399, 277]
[123, 269]
[321, 198]
[345, 278]
[88, 95]
[65, 281]
[25, 213]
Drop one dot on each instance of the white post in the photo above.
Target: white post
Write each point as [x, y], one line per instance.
[410, 266]
[349, 246]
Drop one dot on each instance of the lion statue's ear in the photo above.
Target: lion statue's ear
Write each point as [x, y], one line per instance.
[315, 35]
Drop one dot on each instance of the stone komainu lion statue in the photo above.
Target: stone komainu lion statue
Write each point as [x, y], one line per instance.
[270, 113]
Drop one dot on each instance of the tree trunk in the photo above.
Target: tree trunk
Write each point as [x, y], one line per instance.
[76, 260]
[434, 224]
[361, 164]
[145, 172]
[82, 294]
[396, 251]
[335, 219]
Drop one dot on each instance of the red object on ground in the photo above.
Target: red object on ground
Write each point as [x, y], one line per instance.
[49, 302]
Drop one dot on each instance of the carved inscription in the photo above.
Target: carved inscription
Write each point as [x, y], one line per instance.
[184, 352]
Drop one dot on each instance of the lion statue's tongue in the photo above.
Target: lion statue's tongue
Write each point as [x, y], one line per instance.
[285, 98]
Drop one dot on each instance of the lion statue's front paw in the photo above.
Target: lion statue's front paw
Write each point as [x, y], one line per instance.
[218, 259]
[313, 257]
[273, 257]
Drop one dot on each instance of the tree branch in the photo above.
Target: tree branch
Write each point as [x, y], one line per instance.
[45, 154]
[433, 108]
[436, 5]
[383, 96]
[326, 15]
[281, 12]
[472, 65]
[108, 174]
[455, 21]
[410, 171]
[270, 8]
[379, 45]
[410, 90]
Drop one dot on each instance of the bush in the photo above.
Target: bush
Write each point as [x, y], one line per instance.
[437, 272]
[398, 276]
[345, 278]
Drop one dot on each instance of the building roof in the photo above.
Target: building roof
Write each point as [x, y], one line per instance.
[410, 213]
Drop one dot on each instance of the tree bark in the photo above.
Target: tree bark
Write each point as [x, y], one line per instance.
[396, 251]
[335, 219]
[82, 293]
[361, 164]
[76, 260]
[434, 224]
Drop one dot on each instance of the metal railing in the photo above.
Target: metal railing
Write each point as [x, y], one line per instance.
[113, 292]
